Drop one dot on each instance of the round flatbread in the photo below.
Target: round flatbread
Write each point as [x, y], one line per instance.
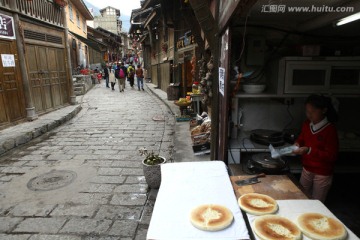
[321, 227]
[257, 204]
[269, 227]
[211, 217]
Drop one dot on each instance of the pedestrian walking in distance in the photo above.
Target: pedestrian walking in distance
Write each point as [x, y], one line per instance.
[106, 73]
[131, 75]
[112, 79]
[121, 76]
[99, 77]
[140, 77]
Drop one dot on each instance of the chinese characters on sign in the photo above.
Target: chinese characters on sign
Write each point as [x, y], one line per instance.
[221, 80]
[8, 60]
[273, 8]
[7, 27]
[185, 41]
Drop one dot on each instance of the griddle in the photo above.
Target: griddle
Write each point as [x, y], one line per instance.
[262, 162]
[267, 137]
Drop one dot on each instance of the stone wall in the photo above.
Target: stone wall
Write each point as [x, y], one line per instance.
[82, 84]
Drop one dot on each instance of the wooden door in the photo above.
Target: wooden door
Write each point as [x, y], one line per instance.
[12, 103]
[54, 77]
[34, 77]
[186, 76]
[61, 68]
[165, 75]
[44, 74]
[154, 75]
[47, 75]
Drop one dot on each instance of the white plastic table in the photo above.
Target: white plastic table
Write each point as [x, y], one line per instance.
[185, 186]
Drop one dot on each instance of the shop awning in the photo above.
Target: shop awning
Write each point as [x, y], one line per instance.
[92, 42]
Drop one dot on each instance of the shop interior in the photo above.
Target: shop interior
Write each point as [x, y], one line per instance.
[284, 57]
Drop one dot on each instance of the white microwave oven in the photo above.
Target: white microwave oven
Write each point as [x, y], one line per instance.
[319, 74]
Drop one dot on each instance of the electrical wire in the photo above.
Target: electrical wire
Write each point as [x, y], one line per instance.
[232, 157]
[243, 42]
[243, 143]
[261, 73]
[291, 117]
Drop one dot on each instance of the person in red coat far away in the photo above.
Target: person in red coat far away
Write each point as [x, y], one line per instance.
[318, 146]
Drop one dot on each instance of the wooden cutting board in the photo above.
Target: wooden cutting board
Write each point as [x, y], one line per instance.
[279, 187]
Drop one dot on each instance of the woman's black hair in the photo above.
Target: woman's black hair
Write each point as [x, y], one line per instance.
[322, 102]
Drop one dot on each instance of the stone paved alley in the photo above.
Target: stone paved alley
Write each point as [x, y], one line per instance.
[102, 193]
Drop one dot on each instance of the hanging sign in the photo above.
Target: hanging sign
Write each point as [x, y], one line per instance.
[8, 60]
[185, 41]
[6, 27]
[222, 80]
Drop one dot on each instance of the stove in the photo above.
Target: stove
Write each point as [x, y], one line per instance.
[263, 163]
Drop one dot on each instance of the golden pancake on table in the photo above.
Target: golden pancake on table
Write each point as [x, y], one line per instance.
[321, 227]
[257, 204]
[269, 227]
[211, 217]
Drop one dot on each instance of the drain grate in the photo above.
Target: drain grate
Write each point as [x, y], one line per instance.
[52, 180]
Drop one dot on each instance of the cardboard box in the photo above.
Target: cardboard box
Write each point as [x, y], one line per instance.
[201, 137]
[201, 148]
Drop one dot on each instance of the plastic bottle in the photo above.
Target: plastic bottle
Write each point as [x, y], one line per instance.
[195, 88]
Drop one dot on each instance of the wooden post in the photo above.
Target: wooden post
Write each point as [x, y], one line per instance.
[206, 21]
[223, 100]
[68, 61]
[214, 154]
[210, 28]
[195, 29]
[30, 108]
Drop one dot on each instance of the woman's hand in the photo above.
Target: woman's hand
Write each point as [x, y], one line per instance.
[301, 151]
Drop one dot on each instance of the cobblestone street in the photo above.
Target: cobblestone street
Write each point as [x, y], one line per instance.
[96, 188]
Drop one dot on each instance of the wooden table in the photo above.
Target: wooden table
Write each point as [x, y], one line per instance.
[279, 187]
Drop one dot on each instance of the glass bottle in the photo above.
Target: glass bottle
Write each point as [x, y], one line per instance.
[195, 88]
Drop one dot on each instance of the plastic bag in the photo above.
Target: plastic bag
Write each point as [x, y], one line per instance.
[276, 153]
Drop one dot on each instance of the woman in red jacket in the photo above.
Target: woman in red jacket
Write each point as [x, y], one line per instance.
[318, 146]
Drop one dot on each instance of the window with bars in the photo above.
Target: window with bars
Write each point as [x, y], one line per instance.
[78, 19]
[71, 14]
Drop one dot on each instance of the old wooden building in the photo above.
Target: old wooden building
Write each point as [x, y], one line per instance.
[104, 46]
[34, 76]
[76, 16]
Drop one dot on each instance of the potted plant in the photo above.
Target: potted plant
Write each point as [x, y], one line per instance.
[151, 167]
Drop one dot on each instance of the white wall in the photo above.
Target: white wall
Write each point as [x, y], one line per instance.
[271, 114]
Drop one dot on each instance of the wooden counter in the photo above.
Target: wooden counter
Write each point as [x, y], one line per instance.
[279, 187]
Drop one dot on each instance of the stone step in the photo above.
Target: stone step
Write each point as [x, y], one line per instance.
[78, 93]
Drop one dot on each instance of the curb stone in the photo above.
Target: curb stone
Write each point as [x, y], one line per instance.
[165, 102]
[20, 138]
